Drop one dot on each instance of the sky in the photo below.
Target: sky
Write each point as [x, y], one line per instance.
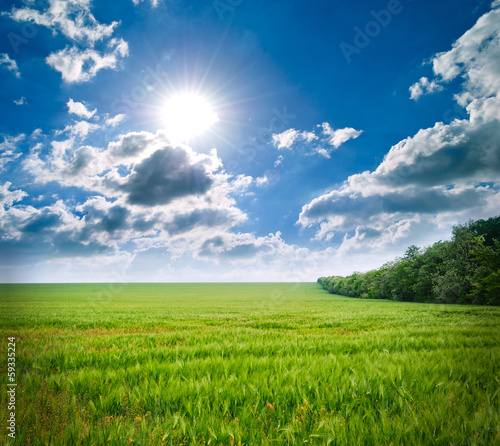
[237, 140]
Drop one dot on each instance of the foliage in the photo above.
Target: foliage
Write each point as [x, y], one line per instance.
[465, 270]
[247, 364]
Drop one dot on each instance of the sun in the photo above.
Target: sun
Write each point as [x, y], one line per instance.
[187, 115]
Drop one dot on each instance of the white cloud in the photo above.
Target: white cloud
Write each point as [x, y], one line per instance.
[60, 149]
[79, 129]
[424, 87]
[21, 101]
[115, 120]
[135, 146]
[154, 3]
[189, 223]
[167, 198]
[474, 57]
[9, 64]
[78, 66]
[143, 173]
[338, 137]
[9, 149]
[262, 181]
[441, 175]
[9, 197]
[72, 18]
[288, 138]
[309, 136]
[319, 142]
[79, 109]
[195, 232]
[322, 152]
[37, 133]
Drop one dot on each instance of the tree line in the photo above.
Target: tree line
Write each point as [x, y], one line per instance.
[464, 270]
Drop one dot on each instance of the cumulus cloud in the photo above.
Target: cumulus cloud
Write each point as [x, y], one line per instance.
[36, 133]
[8, 197]
[474, 57]
[167, 174]
[9, 64]
[103, 216]
[79, 109]
[205, 219]
[327, 135]
[290, 137]
[29, 234]
[424, 87]
[78, 66]
[86, 166]
[338, 137]
[143, 192]
[82, 162]
[115, 120]
[72, 18]
[135, 144]
[147, 197]
[322, 152]
[193, 233]
[242, 247]
[321, 142]
[79, 129]
[444, 173]
[9, 149]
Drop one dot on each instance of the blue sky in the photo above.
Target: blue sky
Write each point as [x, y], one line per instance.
[239, 141]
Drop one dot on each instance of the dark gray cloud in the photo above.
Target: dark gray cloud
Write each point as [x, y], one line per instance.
[49, 242]
[108, 220]
[41, 222]
[130, 144]
[208, 218]
[471, 157]
[66, 244]
[440, 170]
[143, 224]
[369, 233]
[57, 232]
[215, 242]
[356, 209]
[244, 251]
[115, 219]
[217, 247]
[167, 174]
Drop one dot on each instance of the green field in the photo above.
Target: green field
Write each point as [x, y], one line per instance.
[246, 364]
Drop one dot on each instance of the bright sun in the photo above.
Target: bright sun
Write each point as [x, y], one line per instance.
[186, 115]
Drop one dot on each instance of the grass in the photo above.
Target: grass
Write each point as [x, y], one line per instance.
[246, 364]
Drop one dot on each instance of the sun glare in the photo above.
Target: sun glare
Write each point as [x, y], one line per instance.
[187, 115]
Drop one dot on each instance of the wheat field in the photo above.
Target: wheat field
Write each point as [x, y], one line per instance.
[246, 364]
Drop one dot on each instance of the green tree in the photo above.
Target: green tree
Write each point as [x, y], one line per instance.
[489, 229]
[464, 270]
[454, 282]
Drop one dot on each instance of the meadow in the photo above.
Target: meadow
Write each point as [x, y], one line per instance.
[246, 364]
